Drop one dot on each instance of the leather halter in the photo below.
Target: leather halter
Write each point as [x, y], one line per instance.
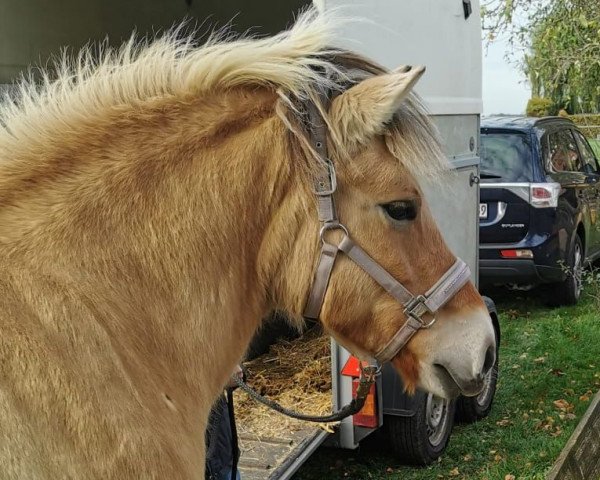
[415, 306]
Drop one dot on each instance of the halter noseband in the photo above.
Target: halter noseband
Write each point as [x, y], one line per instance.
[415, 306]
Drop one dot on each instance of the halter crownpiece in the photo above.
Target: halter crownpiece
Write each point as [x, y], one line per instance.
[415, 306]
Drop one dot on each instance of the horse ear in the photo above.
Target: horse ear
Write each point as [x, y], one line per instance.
[363, 110]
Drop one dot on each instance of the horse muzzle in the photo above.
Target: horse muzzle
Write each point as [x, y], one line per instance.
[460, 352]
[470, 382]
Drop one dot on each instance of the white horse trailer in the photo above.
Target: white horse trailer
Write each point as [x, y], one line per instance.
[445, 36]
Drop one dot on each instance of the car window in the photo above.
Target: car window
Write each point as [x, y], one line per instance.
[505, 157]
[585, 149]
[562, 154]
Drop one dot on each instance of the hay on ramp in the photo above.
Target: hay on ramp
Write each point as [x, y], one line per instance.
[295, 373]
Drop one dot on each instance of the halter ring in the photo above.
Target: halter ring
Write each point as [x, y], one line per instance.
[332, 226]
[428, 325]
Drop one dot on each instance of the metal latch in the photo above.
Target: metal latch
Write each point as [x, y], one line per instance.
[467, 8]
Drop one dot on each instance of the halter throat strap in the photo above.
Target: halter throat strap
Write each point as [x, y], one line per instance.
[415, 306]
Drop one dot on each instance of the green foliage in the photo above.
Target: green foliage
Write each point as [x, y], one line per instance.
[591, 278]
[564, 62]
[560, 43]
[589, 124]
[540, 107]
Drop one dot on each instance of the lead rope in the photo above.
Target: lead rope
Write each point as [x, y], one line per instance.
[368, 375]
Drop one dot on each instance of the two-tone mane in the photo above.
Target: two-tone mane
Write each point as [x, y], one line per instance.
[84, 91]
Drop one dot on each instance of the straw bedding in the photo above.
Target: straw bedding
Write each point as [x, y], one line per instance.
[295, 373]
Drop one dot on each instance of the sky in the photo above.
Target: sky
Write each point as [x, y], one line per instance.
[504, 86]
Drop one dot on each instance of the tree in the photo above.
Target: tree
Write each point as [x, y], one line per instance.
[539, 107]
[560, 45]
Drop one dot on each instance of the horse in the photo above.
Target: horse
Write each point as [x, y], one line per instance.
[158, 201]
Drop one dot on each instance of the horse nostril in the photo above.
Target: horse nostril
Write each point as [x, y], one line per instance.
[490, 359]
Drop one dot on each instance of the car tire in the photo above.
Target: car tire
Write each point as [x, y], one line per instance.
[568, 291]
[472, 409]
[422, 438]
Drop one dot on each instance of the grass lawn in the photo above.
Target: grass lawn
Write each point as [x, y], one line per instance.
[549, 371]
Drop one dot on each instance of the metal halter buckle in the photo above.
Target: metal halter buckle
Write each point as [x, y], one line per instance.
[416, 308]
[332, 181]
[369, 372]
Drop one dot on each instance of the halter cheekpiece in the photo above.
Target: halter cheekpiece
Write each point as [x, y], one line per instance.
[415, 306]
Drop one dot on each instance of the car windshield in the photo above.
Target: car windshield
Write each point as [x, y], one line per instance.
[505, 157]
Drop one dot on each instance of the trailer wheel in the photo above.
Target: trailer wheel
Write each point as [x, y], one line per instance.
[422, 438]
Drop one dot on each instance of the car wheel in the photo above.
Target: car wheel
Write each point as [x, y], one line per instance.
[568, 291]
[422, 438]
[471, 409]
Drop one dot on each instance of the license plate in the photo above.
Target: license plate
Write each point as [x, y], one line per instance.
[483, 211]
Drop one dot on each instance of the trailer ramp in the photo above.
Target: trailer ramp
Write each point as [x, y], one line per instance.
[277, 458]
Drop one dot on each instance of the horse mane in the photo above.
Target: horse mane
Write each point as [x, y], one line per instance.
[93, 84]
[141, 71]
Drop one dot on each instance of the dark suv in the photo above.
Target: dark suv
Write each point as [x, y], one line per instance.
[540, 199]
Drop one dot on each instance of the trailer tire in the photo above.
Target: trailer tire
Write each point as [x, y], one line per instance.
[423, 437]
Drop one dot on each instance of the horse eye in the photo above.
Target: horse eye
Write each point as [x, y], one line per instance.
[401, 210]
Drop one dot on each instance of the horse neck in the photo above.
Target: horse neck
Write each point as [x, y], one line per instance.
[173, 228]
